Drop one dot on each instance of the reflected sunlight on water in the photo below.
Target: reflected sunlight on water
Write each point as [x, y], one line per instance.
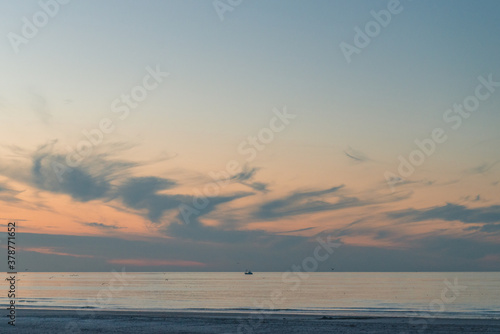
[339, 293]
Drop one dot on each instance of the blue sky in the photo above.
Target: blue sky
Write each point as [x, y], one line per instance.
[322, 175]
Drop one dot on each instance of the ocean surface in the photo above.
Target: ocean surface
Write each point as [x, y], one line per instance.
[463, 295]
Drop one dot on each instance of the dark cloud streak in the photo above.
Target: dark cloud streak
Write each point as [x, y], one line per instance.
[451, 212]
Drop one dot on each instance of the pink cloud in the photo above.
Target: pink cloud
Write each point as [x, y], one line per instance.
[52, 251]
[152, 262]
[493, 258]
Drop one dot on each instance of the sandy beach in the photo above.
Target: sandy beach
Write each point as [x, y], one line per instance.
[64, 321]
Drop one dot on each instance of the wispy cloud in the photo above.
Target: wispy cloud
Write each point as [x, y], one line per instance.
[155, 263]
[53, 251]
[299, 230]
[40, 106]
[7, 194]
[89, 181]
[101, 226]
[142, 193]
[330, 199]
[451, 212]
[474, 198]
[246, 176]
[100, 177]
[300, 203]
[356, 155]
[486, 228]
[482, 168]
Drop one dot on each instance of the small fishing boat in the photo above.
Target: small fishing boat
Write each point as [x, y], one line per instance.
[248, 272]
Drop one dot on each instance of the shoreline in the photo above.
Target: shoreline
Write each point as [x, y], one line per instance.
[105, 321]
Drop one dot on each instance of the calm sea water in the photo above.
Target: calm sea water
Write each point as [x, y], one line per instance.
[395, 294]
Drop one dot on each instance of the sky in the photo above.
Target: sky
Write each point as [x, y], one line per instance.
[226, 135]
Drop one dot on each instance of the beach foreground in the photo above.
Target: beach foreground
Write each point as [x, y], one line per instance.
[64, 321]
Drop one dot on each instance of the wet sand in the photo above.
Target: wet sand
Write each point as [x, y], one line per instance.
[64, 321]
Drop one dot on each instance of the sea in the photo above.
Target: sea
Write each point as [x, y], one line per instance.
[454, 294]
